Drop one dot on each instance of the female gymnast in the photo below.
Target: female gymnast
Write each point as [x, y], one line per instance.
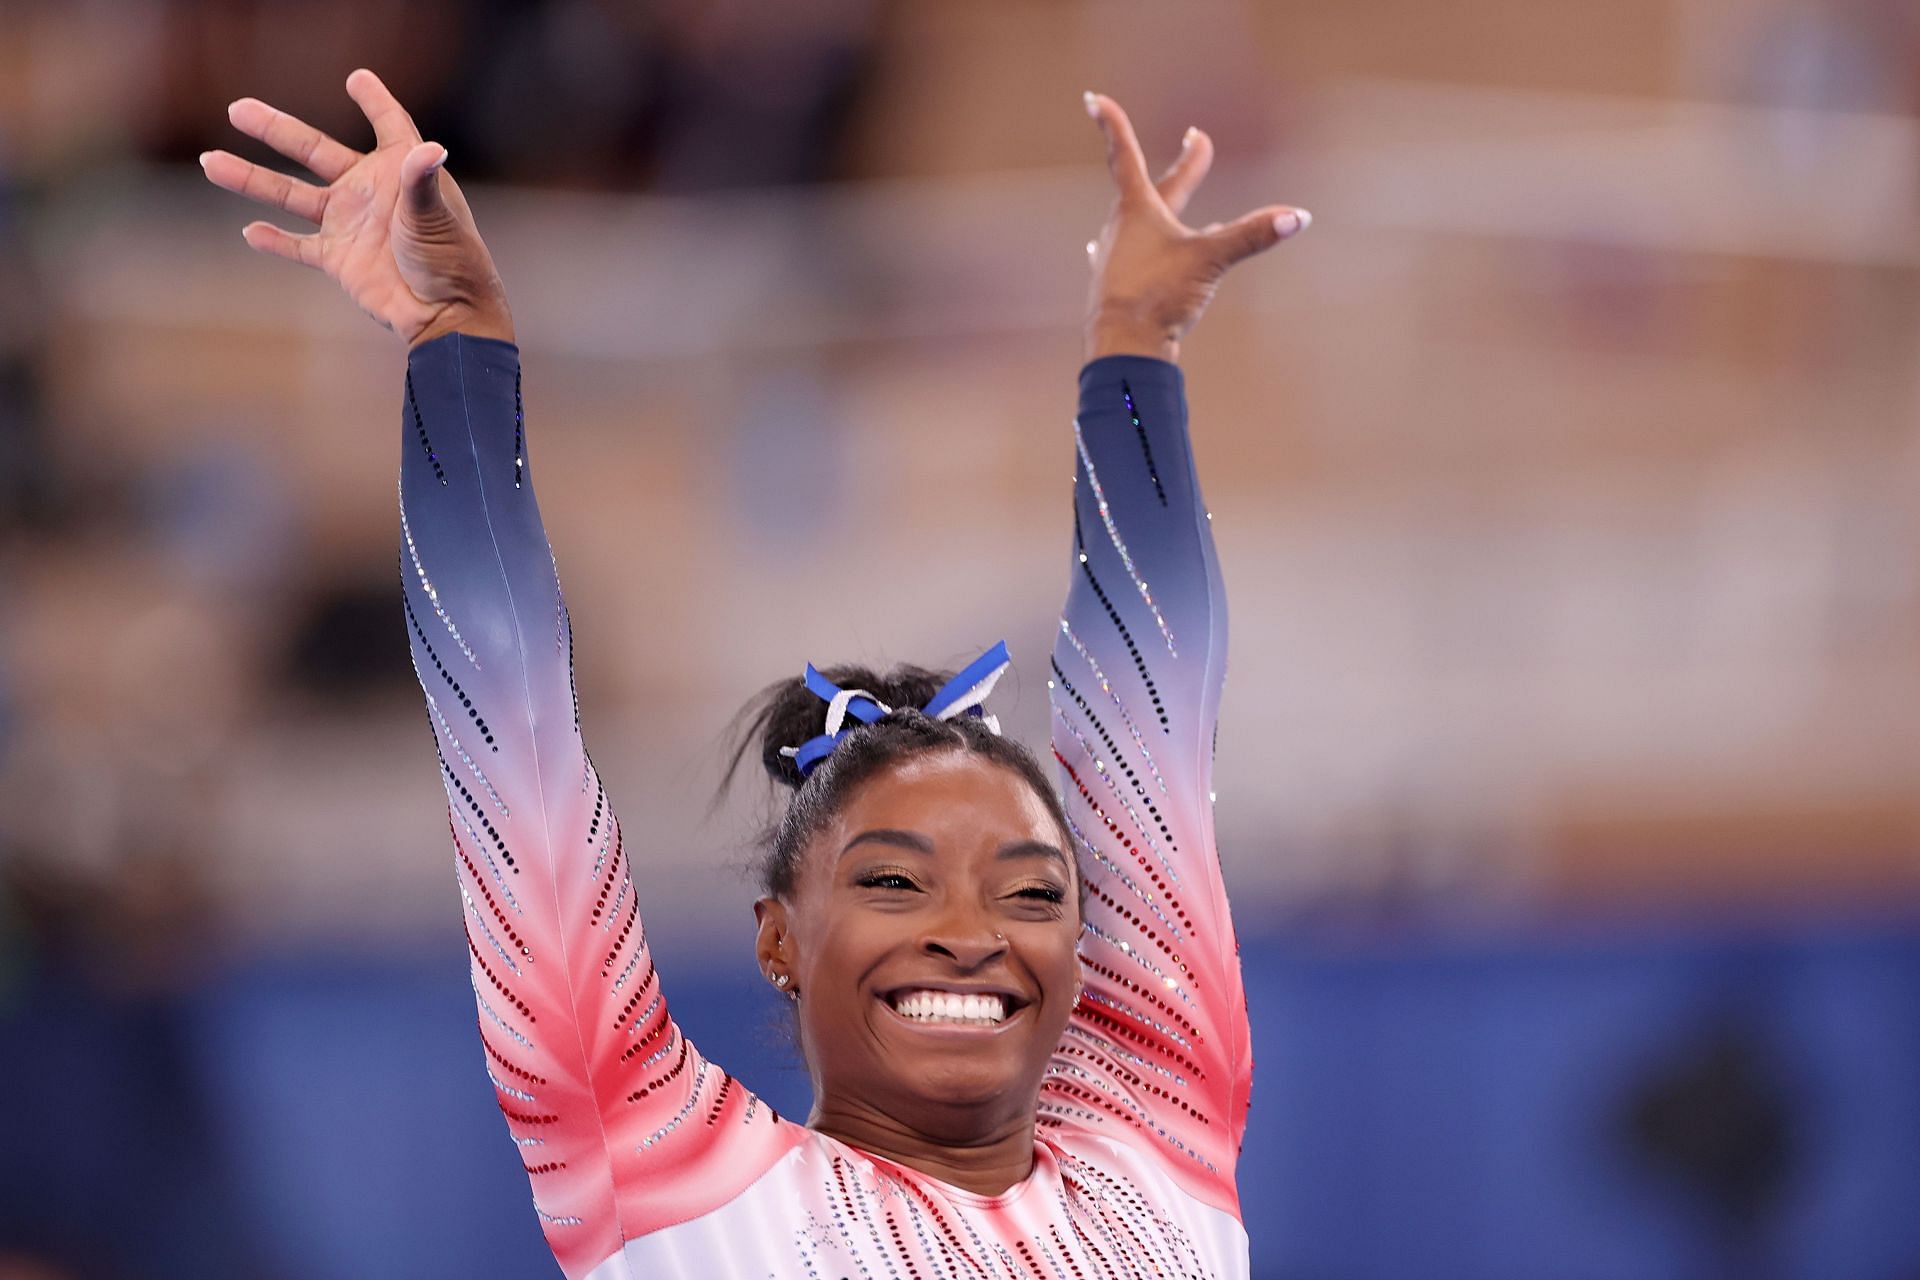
[1023, 1019]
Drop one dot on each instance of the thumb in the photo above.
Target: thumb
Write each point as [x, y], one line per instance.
[420, 180]
[1261, 229]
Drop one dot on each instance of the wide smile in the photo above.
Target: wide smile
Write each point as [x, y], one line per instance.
[939, 1024]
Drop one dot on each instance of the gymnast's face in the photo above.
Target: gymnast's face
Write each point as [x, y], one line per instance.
[931, 939]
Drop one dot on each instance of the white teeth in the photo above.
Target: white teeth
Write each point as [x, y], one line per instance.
[949, 1006]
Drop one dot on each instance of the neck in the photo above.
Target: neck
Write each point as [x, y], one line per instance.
[985, 1162]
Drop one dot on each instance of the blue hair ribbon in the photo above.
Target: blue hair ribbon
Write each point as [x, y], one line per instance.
[962, 695]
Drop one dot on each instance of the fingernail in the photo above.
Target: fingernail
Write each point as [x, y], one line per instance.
[437, 163]
[1093, 106]
[204, 157]
[1186, 139]
[1292, 222]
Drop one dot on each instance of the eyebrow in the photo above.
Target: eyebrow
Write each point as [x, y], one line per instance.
[914, 842]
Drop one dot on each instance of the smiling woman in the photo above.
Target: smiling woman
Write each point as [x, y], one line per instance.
[1023, 1017]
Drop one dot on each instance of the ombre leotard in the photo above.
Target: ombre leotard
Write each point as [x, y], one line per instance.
[648, 1161]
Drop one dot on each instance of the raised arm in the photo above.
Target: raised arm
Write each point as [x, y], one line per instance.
[621, 1125]
[1158, 1051]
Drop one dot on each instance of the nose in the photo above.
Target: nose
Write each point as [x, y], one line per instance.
[968, 939]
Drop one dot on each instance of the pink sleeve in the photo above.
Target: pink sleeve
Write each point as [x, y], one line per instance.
[622, 1126]
[1158, 1053]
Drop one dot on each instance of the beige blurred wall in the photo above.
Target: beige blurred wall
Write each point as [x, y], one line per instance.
[1563, 472]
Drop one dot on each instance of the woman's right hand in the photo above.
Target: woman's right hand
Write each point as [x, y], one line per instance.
[394, 231]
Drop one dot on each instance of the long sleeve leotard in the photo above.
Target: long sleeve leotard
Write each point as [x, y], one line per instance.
[645, 1159]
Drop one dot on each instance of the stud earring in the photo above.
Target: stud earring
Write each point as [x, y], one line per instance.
[781, 980]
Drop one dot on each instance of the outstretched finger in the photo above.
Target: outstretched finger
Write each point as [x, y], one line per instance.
[243, 177]
[1188, 171]
[390, 120]
[267, 238]
[1124, 160]
[292, 137]
[1261, 229]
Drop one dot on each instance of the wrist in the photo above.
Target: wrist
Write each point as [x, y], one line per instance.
[491, 319]
[1112, 330]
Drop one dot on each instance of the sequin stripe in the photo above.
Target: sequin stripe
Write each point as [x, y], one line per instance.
[1064, 721]
[454, 785]
[1119, 624]
[720, 1097]
[614, 868]
[619, 897]
[420, 429]
[568, 1221]
[613, 953]
[519, 1118]
[479, 721]
[632, 961]
[1146, 448]
[519, 1094]
[917, 1217]
[1100, 678]
[480, 884]
[843, 1222]
[1119, 544]
[1106, 1222]
[478, 773]
[519, 1005]
[426, 583]
[599, 808]
[534, 1170]
[1114, 870]
[1131, 1107]
[674, 1039]
[479, 921]
[1065, 1252]
[639, 994]
[1129, 1077]
[480, 846]
[900, 1249]
[1138, 956]
[518, 1073]
[1093, 1098]
[946, 1228]
[1104, 1048]
[1136, 1207]
[693, 1099]
[573, 690]
[519, 434]
[1113, 751]
[1073, 1220]
[493, 1013]
[1054, 1261]
[865, 1211]
[1113, 827]
[1099, 891]
[672, 1073]
[1116, 1025]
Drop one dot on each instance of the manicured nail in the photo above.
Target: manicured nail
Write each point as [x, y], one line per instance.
[437, 163]
[1093, 106]
[204, 157]
[1186, 139]
[1292, 222]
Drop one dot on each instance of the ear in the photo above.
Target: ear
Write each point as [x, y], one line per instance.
[771, 949]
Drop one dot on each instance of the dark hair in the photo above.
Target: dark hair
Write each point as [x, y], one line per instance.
[787, 713]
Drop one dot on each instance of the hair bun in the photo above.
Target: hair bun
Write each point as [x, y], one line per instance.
[787, 713]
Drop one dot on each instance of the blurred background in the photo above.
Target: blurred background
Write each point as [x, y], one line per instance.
[1565, 477]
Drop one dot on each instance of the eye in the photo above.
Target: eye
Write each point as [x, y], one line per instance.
[1042, 892]
[885, 880]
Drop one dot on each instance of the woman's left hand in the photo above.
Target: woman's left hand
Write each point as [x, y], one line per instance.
[1153, 275]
